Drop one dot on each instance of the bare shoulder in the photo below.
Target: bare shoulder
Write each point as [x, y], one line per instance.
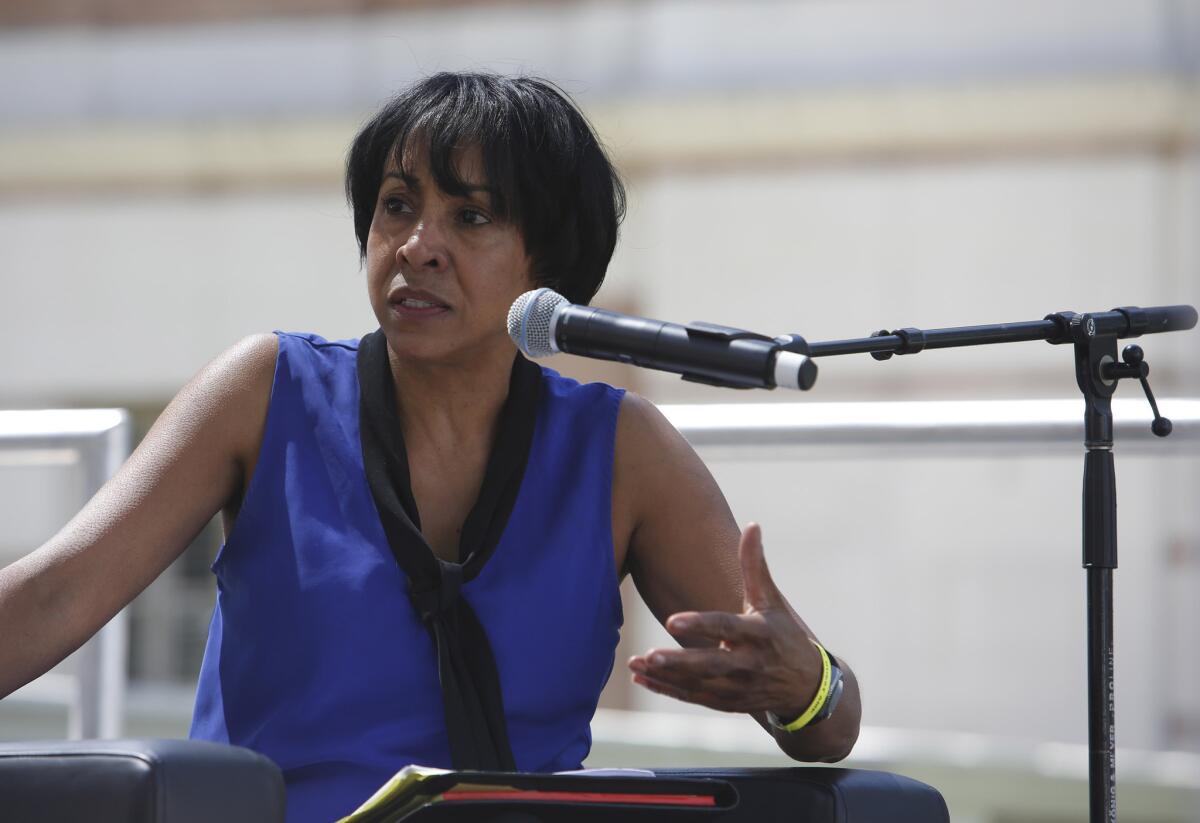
[184, 471]
[188, 466]
[682, 538]
[650, 452]
[641, 431]
[217, 418]
[641, 424]
[241, 373]
[247, 364]
[191, 459]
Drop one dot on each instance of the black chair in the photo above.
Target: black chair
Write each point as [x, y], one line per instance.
[138, 781]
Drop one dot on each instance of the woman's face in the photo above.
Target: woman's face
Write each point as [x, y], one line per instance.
[442, 270]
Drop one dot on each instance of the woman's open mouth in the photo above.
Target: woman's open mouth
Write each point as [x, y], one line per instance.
[407, 306]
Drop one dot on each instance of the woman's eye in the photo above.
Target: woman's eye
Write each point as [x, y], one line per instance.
[396, 205]
[474, 217]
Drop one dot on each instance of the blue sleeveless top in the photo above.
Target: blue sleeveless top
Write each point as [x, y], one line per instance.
[316, 657]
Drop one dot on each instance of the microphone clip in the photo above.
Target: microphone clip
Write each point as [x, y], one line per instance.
[723, 334]
[727, 334]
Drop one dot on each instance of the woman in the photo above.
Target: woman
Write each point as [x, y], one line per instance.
[425, 532]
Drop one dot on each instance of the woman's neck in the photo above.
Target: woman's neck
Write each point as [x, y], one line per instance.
[453, 402]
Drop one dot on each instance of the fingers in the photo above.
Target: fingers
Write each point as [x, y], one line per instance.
[760, 590]
[715, 678]
[695, 665]
[731, 681]
[712, 701]
[713, 628]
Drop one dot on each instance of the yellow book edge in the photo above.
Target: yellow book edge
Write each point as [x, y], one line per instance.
[402, 782]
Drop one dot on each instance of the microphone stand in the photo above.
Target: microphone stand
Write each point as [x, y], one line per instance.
[1097, 372]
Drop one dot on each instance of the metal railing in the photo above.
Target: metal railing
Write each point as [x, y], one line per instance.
[925, 424]
[98, 441]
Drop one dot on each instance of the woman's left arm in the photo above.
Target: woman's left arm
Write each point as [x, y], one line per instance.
[744, 647]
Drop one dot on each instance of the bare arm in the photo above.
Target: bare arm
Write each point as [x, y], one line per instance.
[186, 469]
[745, 648]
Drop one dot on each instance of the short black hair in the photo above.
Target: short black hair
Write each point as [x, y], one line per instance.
[547, 171]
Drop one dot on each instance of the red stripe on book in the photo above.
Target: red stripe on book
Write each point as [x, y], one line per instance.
[523, 795]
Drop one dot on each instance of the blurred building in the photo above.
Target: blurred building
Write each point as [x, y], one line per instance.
[170, 180]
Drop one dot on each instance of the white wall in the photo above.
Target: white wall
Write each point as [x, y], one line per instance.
[127, 295]
[840, 252]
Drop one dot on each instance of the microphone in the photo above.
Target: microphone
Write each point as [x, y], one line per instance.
[542, 322]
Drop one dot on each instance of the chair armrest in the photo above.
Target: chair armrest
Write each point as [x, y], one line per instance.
[138, 781]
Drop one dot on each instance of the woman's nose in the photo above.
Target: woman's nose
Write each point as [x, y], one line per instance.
[424, 248]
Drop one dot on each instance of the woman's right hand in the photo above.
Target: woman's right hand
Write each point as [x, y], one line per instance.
[190, 465]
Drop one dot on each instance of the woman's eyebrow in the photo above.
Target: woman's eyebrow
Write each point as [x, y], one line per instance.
[408, 179]
[488, 191]
[414, 183]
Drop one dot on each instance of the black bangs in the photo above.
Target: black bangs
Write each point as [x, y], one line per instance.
[546, 172]
[463, 118]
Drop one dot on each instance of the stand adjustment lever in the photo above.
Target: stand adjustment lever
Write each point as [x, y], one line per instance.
[1135, 365]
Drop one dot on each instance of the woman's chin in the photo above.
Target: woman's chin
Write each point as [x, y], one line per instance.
[449, 350]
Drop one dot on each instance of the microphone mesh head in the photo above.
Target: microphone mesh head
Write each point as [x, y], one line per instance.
[529, 321]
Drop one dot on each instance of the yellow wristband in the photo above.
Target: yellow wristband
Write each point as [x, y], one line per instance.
[818, 702]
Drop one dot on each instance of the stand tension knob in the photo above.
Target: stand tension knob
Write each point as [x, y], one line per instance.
[1135, 366]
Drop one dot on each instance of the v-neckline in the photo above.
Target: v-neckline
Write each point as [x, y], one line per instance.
[386, 457]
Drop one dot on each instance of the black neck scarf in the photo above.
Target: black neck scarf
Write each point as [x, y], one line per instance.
[466, 667]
